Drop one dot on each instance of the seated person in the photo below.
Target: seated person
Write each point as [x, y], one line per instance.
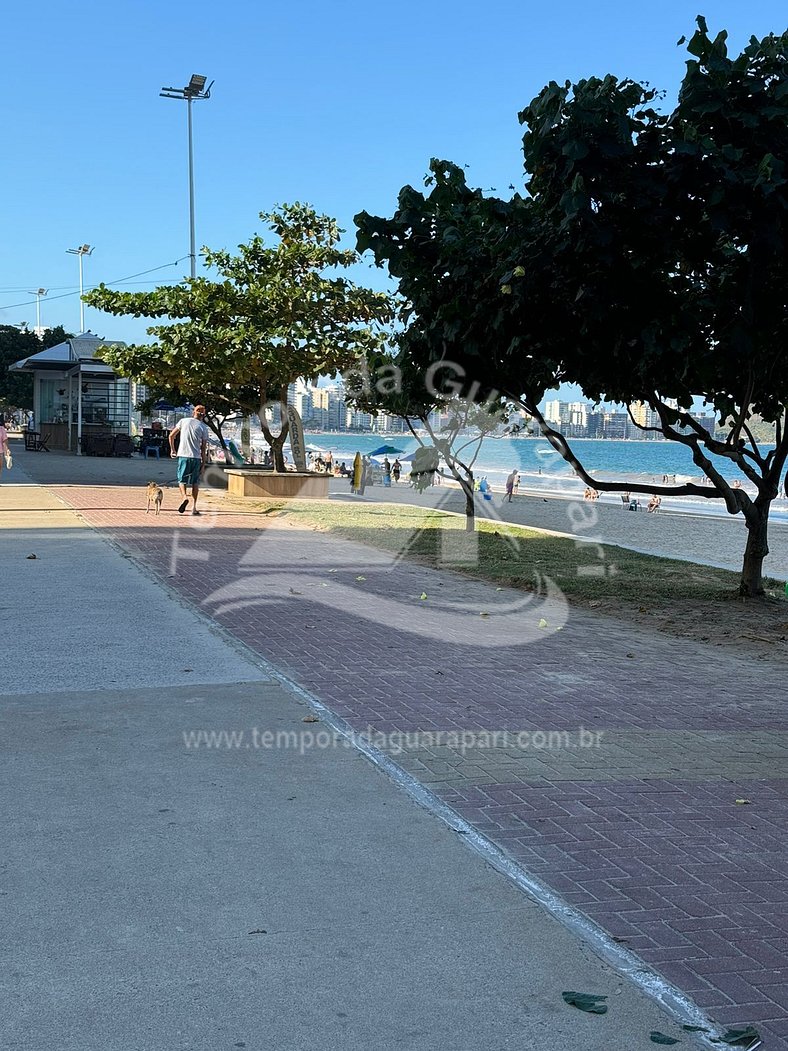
[653, 504]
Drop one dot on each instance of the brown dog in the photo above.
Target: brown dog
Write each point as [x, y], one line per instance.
[155, 497]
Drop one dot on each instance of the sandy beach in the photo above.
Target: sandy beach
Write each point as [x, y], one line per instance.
[692, 532]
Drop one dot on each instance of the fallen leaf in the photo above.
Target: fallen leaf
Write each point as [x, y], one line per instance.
[361, 578]
[740, 1037]
[310, 719]
[499, 589]
[294, 592]
[589, 1002]
[630, 655]
[484, 614]
[423, 595]
[333, 571]
[543, 623]
[742, 802]
[660, 1038]
[32, 556]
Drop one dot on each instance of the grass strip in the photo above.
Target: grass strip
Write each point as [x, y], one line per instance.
[513, 555]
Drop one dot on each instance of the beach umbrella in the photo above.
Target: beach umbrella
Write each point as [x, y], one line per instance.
[385, 450]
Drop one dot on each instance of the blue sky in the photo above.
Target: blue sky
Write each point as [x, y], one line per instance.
[338, 104]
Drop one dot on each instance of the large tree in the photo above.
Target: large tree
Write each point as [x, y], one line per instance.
[278, 312]
[16, 388]
[392, 385]
[647, 262]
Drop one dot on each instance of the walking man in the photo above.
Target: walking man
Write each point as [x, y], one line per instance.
[191, 454]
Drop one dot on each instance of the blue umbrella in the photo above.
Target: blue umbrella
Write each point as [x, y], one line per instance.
[385, 450]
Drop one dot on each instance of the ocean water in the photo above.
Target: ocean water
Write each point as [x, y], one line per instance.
[542, 469]
[644, 461]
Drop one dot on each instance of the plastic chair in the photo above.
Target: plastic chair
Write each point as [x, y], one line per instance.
[152, 450]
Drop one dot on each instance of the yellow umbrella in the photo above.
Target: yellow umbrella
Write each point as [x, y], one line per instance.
[358, 468]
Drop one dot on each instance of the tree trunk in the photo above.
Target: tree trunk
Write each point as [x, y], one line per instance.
[470, 505]
[757, 549]
[246, 438]
[277, 442]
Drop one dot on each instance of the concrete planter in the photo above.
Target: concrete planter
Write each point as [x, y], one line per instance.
[293, 485]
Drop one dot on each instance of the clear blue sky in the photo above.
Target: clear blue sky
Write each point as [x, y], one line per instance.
[338, 104]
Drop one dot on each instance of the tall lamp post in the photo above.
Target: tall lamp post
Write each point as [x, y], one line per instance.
[82, 251]
[195, 89]
[39, 292]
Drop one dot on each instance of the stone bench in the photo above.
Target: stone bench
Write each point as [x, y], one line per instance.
[292, 485]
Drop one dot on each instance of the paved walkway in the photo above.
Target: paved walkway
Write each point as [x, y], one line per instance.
[667, 825]
[163, 889]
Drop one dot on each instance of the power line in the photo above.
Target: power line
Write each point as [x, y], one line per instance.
[75, 291]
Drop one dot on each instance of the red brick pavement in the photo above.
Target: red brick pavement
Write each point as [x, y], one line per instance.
[694, 884]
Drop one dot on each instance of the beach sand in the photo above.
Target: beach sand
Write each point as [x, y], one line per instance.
[711, 539]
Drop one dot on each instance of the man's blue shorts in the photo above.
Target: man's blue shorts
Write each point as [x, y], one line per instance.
[189, 470]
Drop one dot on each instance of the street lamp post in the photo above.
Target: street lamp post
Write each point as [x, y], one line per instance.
[195, 89]
[39, 292]
[82, 251]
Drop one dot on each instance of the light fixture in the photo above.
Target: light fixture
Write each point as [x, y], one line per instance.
[82, 251]
[39, 292]
[195, 89]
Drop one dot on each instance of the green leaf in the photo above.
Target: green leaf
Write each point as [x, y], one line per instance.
[591, 1003]
[660, 1038]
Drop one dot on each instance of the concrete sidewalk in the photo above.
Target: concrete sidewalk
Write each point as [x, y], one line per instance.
[168, 890]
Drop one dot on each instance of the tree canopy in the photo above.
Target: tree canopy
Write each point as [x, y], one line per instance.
[277, 312]
[16, 389]
[647, 260]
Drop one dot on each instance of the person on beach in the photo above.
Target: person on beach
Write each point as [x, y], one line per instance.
[5, 452]
[511, 479]
[386, 471]
[191, 452]
[654, 503]
[396, 471]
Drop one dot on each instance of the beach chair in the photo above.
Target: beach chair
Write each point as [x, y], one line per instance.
[36, 442]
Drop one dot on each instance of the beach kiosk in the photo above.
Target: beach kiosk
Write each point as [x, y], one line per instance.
[77, 399]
